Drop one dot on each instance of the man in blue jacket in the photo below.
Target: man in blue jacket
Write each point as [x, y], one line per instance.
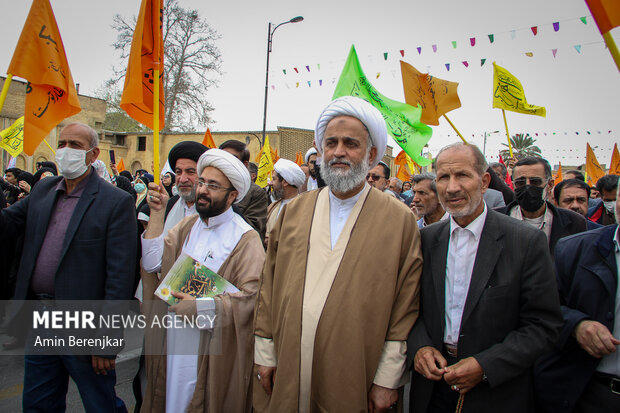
[79, 244]
[582, 374]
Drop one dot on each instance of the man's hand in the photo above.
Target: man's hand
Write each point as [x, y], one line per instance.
[113, 168]
[157, 198]
[381, 398]
[186, 307]
[429, 362]
[595, 338]
[25, 186]
[102, 365]
[267, 377]
[465, 375]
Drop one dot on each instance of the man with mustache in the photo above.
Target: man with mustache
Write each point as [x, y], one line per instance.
[205, 367]
[339, 289]
[490, 305]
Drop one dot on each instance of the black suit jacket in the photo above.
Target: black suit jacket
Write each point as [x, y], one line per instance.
[511, 314]
[587, 274]
[99, 250]
[565, 222]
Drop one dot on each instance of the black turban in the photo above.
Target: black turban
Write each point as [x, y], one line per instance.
[185, 150]
[27, 177]
[48, 164]
[127, 175]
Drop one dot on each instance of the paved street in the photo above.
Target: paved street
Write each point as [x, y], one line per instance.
[12, 377]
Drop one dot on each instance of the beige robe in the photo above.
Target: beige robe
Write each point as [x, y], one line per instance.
[374, 299]
[223, 373]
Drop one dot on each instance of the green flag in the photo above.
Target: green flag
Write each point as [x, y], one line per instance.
[402, 120]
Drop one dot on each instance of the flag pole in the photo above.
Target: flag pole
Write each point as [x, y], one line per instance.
[156, 125]
[613, 49]
[507, 134]
[455, 129]
[5, 89]
[49, 146]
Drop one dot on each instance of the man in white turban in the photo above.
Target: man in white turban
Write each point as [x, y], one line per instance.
[285, 185]
[339, 289]
[204, 367]
[311, 159]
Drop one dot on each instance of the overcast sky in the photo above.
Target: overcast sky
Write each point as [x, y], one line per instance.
[579, 90]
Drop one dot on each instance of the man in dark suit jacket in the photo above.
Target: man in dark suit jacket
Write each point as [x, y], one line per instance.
[583, 372]
[79, 244]
[533, 185]
[489, 305]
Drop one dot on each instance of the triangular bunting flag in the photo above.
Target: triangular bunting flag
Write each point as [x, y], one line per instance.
[554, 51]
[419, 50]
[402, 53]
[529, 54]
[284, 70]
[318, 65]
[472, 41]
[296, 84]
[295, 69]
[578, 48]
[465, 63]
[534, 30]
[482, 62]
[583, 20]
[556, 26]
[320, 82]
[454, 44]
[448, 67]
[385, 55]
[491, 38]
[308, 68]
[309, 85]
[378, 74]
[434, 48]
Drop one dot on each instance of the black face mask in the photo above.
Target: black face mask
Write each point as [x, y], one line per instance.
[529, 197]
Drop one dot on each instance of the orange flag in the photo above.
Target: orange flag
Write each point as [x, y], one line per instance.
[436, 96]
[208, 140]
[299, 158]
[403, 174]
[40, 58]
[606, 13]
[593, 169]
[121, 166]
[558, 176]
[145, 56]
[614, 165]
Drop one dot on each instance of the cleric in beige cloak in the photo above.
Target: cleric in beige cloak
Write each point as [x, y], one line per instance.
[204, 368]
[339, 290]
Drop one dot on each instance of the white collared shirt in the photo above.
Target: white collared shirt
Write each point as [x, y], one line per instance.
[462, 251]
[543, 222]
[610, 364]
[339, 211]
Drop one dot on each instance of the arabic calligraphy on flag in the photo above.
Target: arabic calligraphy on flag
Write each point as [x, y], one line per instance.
[12, 138]
[508, 94]
[40, 58]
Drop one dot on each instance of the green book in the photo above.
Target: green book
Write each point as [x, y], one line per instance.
[191, 277]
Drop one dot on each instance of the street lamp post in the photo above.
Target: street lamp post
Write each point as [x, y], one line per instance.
[269, 41]
[484, 148]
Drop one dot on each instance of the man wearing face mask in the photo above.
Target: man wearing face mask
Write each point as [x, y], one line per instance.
[533, 184]
[602, 212]
[79, 244]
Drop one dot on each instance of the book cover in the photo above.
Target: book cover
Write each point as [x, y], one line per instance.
[191, 277]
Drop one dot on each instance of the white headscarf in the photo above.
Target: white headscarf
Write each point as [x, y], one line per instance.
[290, 172]
[229, 165]
[359, 109]
[311, 151]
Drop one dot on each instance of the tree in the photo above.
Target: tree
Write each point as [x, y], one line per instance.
[191, 59]
[115, 118]
[522, 146]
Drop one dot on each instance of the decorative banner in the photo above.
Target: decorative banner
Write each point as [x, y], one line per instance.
[434, 48]
[491, 38]
[12, 138]
[419, 50]
[320, 82]
[402, 53]
[146, 55]
[448, 67]
[385, 55]
[295, 69]
[402, 120]
[454, 44]
[578, 48]
[472, 41]
[534, 30]
[482, 62]
[284, 70]
[556, 26]
[436, 96]
[309, 85]
[583, 20]
[508, 93]
[265, 165]
[593, 168]
[554, 51]
[308, 68]
[40, 58]
[465, 63]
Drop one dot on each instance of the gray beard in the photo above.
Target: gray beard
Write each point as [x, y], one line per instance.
[191, 197]
[344, 181]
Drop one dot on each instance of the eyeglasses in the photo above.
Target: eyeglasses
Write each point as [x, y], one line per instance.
[213, 187]
[374, 177]
[535, 181]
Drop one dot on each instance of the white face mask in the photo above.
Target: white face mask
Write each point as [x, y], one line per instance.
[72, 162]
[610, 206]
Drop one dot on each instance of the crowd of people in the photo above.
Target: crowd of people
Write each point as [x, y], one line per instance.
[351, 283]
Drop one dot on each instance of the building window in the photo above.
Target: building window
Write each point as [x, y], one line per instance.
[141, 143]
[119, 140]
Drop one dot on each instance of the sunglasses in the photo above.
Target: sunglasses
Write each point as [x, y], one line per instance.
[374, 177]
[535, 181]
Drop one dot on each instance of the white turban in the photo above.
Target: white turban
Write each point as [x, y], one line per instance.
[290, 172]
[311, 151]
[360, 109]
[229, 165]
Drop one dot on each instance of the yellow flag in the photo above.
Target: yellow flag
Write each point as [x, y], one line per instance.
[13, 138]
[265, 165]
[121, 166]
[508, 94]
[614, 165]
[436, 96]
[593, 169]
